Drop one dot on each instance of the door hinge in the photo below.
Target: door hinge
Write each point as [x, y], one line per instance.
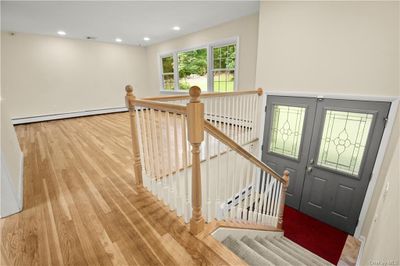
[265, 109]
[262, 147]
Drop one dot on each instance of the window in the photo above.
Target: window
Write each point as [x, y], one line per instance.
[287, 130]
[192, 68]
[168, 73]
[224, 63]
[212, 68]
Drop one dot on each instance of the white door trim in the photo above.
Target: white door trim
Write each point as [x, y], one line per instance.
[395, 100]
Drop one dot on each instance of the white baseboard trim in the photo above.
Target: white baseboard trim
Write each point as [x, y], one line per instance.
[361, 250]
[41, 118]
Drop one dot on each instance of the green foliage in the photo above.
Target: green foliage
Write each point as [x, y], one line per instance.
[168, 64]
[224, 57]
[192, 62]
[184, 85]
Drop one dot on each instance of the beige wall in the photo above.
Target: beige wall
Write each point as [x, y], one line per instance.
[336, 48]
[46, 75]
[383, 243]
[245, 28]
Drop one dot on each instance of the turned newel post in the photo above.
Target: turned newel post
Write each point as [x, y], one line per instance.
[130, 104]
[282, 199]
[195, 123]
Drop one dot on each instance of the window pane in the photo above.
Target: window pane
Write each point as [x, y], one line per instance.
[224, 65]
[224, 81]
[168, 81]
[343, 142]
[168, 64]
[192, 69]
[287, 130]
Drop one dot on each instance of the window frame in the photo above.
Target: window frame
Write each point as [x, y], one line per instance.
[169, 73]
[210, 65]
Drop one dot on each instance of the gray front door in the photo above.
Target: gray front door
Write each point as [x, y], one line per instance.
[289, 122]
[339, 141]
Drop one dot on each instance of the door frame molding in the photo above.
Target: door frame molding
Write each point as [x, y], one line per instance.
[395, 102]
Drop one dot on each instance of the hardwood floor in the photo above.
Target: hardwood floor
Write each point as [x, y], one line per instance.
[80, 207]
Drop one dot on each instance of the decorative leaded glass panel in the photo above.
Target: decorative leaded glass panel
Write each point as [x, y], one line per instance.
[343, 142]
[287, 129]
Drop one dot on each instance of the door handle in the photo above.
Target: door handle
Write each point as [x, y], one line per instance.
[309, 169]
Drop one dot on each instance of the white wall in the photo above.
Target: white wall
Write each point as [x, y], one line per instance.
[334, 48]
[246, 28]
[46, 75]
[11, 157]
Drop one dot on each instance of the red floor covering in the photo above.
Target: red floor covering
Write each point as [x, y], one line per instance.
[318, 237]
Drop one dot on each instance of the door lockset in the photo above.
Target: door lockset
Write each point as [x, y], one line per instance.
[309, 169]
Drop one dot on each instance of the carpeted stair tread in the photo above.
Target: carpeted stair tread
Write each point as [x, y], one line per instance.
[282, 253]
[296, 254]
[315, 258]
[245, 252]
[265, 252]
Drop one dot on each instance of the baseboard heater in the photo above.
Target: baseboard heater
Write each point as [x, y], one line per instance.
[42, 118]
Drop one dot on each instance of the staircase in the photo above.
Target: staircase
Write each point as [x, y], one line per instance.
[198, 154]
[273, 250]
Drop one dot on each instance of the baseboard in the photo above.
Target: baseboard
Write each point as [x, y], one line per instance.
[361, 250]
[41, 118]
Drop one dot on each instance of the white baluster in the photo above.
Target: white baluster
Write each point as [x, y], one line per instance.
[259, 211]
[248, 114]
[178, 190]
[246, 194]
[252, 191]
[273, 198]
[168, 188]
[266, 194]
[208, 179]
[187, 208]
[152, 151]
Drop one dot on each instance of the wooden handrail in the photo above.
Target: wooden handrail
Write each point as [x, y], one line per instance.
[167, 107]
[216, 133]
[258, 91]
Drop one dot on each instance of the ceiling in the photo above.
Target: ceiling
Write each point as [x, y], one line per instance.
[130, 21]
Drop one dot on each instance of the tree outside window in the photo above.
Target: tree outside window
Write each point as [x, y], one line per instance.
[192, 68]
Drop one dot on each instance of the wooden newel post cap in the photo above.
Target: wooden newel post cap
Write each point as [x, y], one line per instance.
[129, 90]
[194, 93]
[260, 91]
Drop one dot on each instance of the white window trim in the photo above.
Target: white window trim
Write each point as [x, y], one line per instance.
[209, 46]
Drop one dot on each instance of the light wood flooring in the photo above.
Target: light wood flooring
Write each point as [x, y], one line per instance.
[80, 207]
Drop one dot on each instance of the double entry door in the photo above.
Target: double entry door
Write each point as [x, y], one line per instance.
[329, 147]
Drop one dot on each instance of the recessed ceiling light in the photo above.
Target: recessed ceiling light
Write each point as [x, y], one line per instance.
[118, 39]
[146, 39]
[61, 32]
[176, 28]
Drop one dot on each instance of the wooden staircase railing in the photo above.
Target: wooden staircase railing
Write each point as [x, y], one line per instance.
[163, 129]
